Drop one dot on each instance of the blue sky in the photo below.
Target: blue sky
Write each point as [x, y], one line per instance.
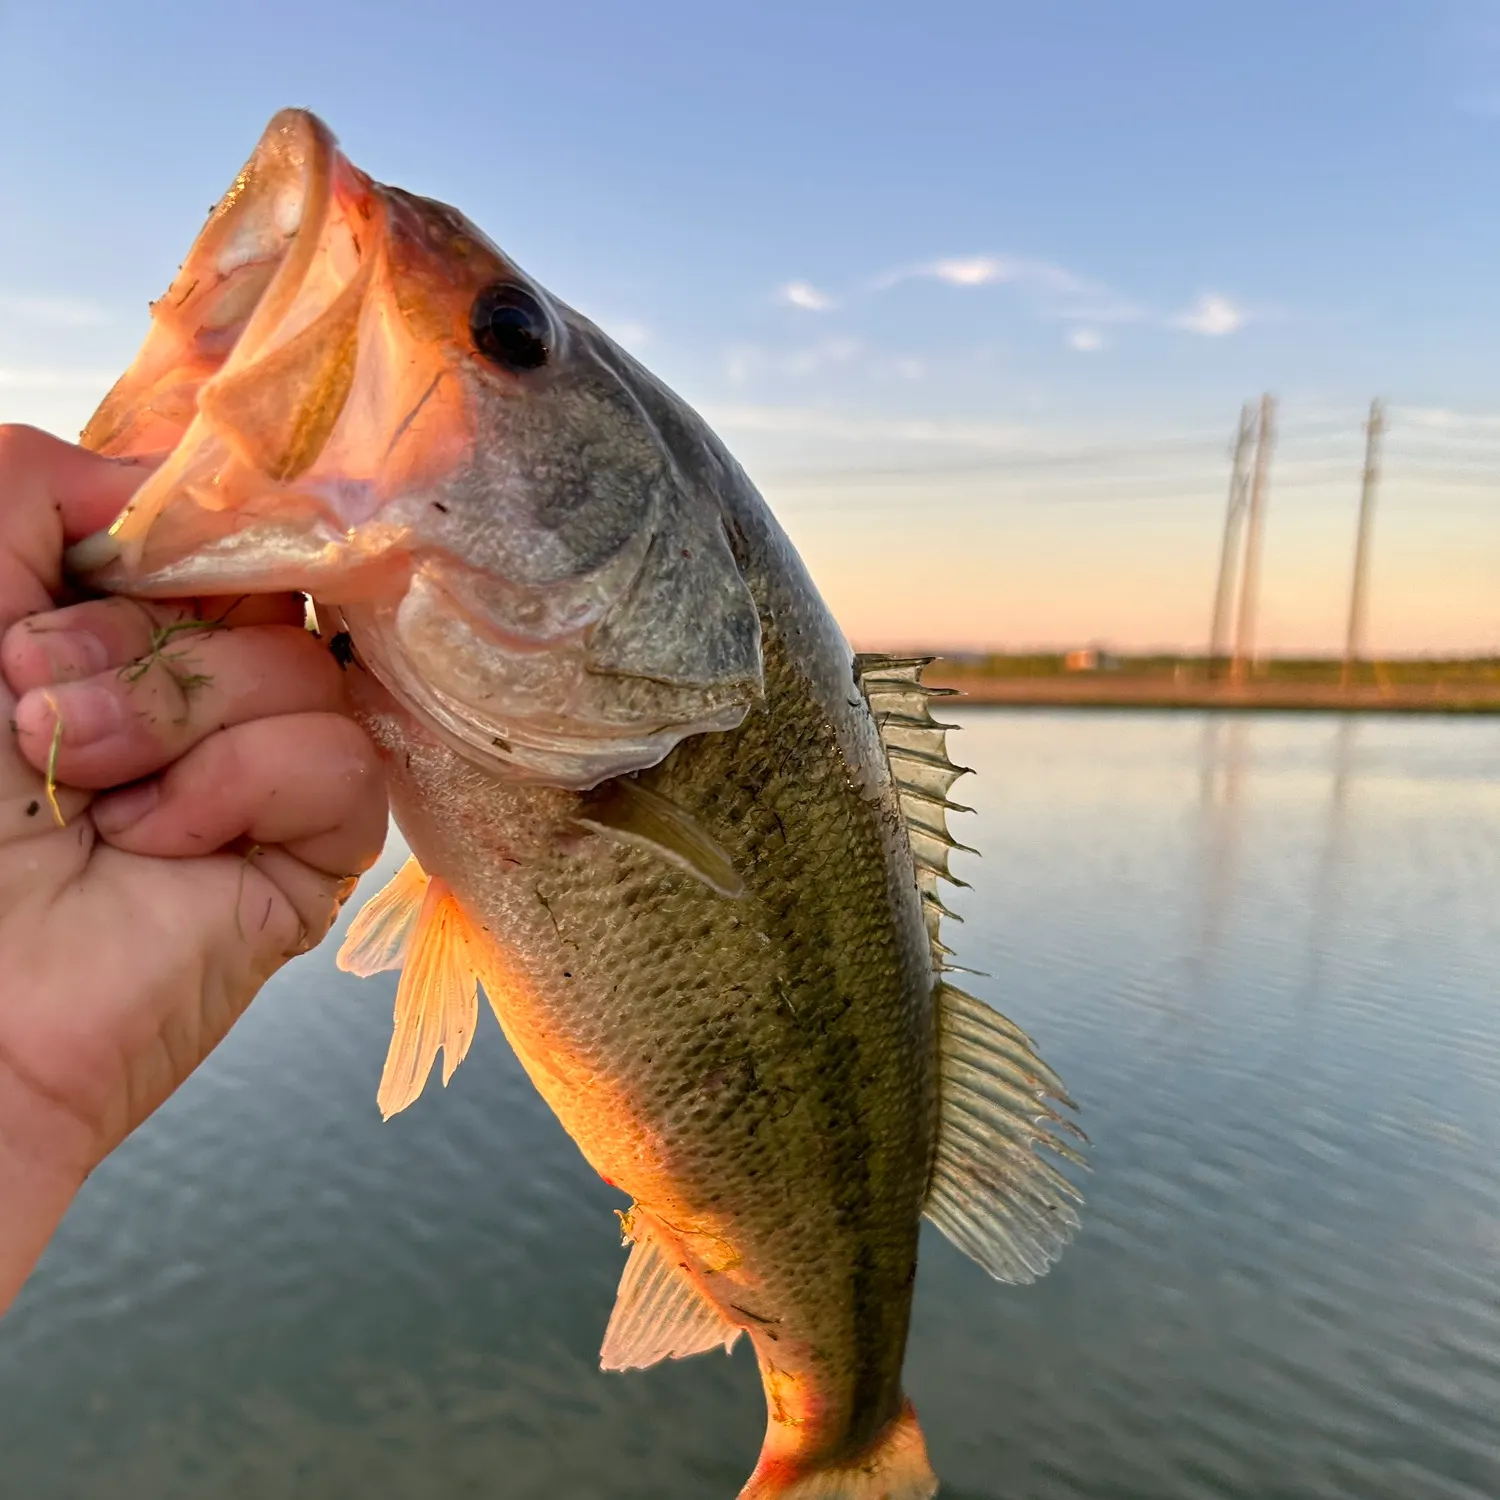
[975, 290]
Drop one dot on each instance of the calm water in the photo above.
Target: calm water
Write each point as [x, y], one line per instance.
[1265, 955]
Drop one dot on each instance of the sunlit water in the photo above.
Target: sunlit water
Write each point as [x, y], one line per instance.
[1263, 952]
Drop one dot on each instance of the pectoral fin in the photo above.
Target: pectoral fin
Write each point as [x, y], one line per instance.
[632, 814]
[379, 936]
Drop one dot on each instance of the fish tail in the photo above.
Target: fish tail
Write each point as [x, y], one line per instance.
[893, 1467]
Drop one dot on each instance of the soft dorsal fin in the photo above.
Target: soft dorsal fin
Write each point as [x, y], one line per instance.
[992, 1192]
[916, 745]
[417, 925]
[659, 1312]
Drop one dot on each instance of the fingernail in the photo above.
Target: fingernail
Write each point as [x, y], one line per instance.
[71, 653]
[116, 812]
[87, 713]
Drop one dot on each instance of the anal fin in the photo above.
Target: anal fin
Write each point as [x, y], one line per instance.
[659, 1313]
[992, 1192]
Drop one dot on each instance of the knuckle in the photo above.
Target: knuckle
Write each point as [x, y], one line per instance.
[222, 764]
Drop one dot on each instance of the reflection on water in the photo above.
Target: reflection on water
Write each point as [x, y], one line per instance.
[1262, 951]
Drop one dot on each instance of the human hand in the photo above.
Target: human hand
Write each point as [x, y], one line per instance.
[218, 805]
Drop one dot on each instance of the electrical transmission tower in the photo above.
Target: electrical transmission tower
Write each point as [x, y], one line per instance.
[1229, 553]
[1255, 527]
[1245, 513]
[1354, 642]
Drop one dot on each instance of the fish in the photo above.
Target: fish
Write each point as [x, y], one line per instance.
[683, 838]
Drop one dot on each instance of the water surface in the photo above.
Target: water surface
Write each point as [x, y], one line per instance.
[1264, 952]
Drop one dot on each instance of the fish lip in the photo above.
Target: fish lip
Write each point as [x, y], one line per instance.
[294, 138]
[297, 133]
[322, 557]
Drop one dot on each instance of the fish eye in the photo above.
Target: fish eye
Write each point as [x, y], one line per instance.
[511, 328]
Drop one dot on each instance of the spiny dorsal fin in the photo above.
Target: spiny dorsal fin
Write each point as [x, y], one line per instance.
[992, 1192]
[916, 745]
[416, 924]
[659, 1312]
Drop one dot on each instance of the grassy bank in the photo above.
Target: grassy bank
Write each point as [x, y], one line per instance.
[1398, 684]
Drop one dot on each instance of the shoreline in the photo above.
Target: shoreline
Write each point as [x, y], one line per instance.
[1116, 690]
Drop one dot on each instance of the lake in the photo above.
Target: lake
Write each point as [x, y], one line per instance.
[1262, 951]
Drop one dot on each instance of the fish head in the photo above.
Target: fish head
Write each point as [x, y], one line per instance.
[353, 393]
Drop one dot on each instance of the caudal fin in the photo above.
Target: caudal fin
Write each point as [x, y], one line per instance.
[894, 1467]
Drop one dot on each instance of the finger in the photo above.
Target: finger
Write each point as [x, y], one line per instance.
[31, 802]
[308, 784]
[308, 781]
[65, 645]
[51, 493]
[119, 726]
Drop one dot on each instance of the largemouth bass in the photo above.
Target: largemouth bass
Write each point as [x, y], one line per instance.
[686, 841]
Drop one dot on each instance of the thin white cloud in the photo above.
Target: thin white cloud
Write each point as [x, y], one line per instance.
[631, 335]
[1212, 316]
[1086, 340]
[821, 355]
[991, 270]
[53, 312]
[740, 363]
[1102, 309]
[1443, 419]
[805, 295]
[975, 270]
[1440, 419]
[746, 361]
[819, 422]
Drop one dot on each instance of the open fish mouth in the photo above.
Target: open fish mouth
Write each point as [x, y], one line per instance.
[245, 383]
[490, 511]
